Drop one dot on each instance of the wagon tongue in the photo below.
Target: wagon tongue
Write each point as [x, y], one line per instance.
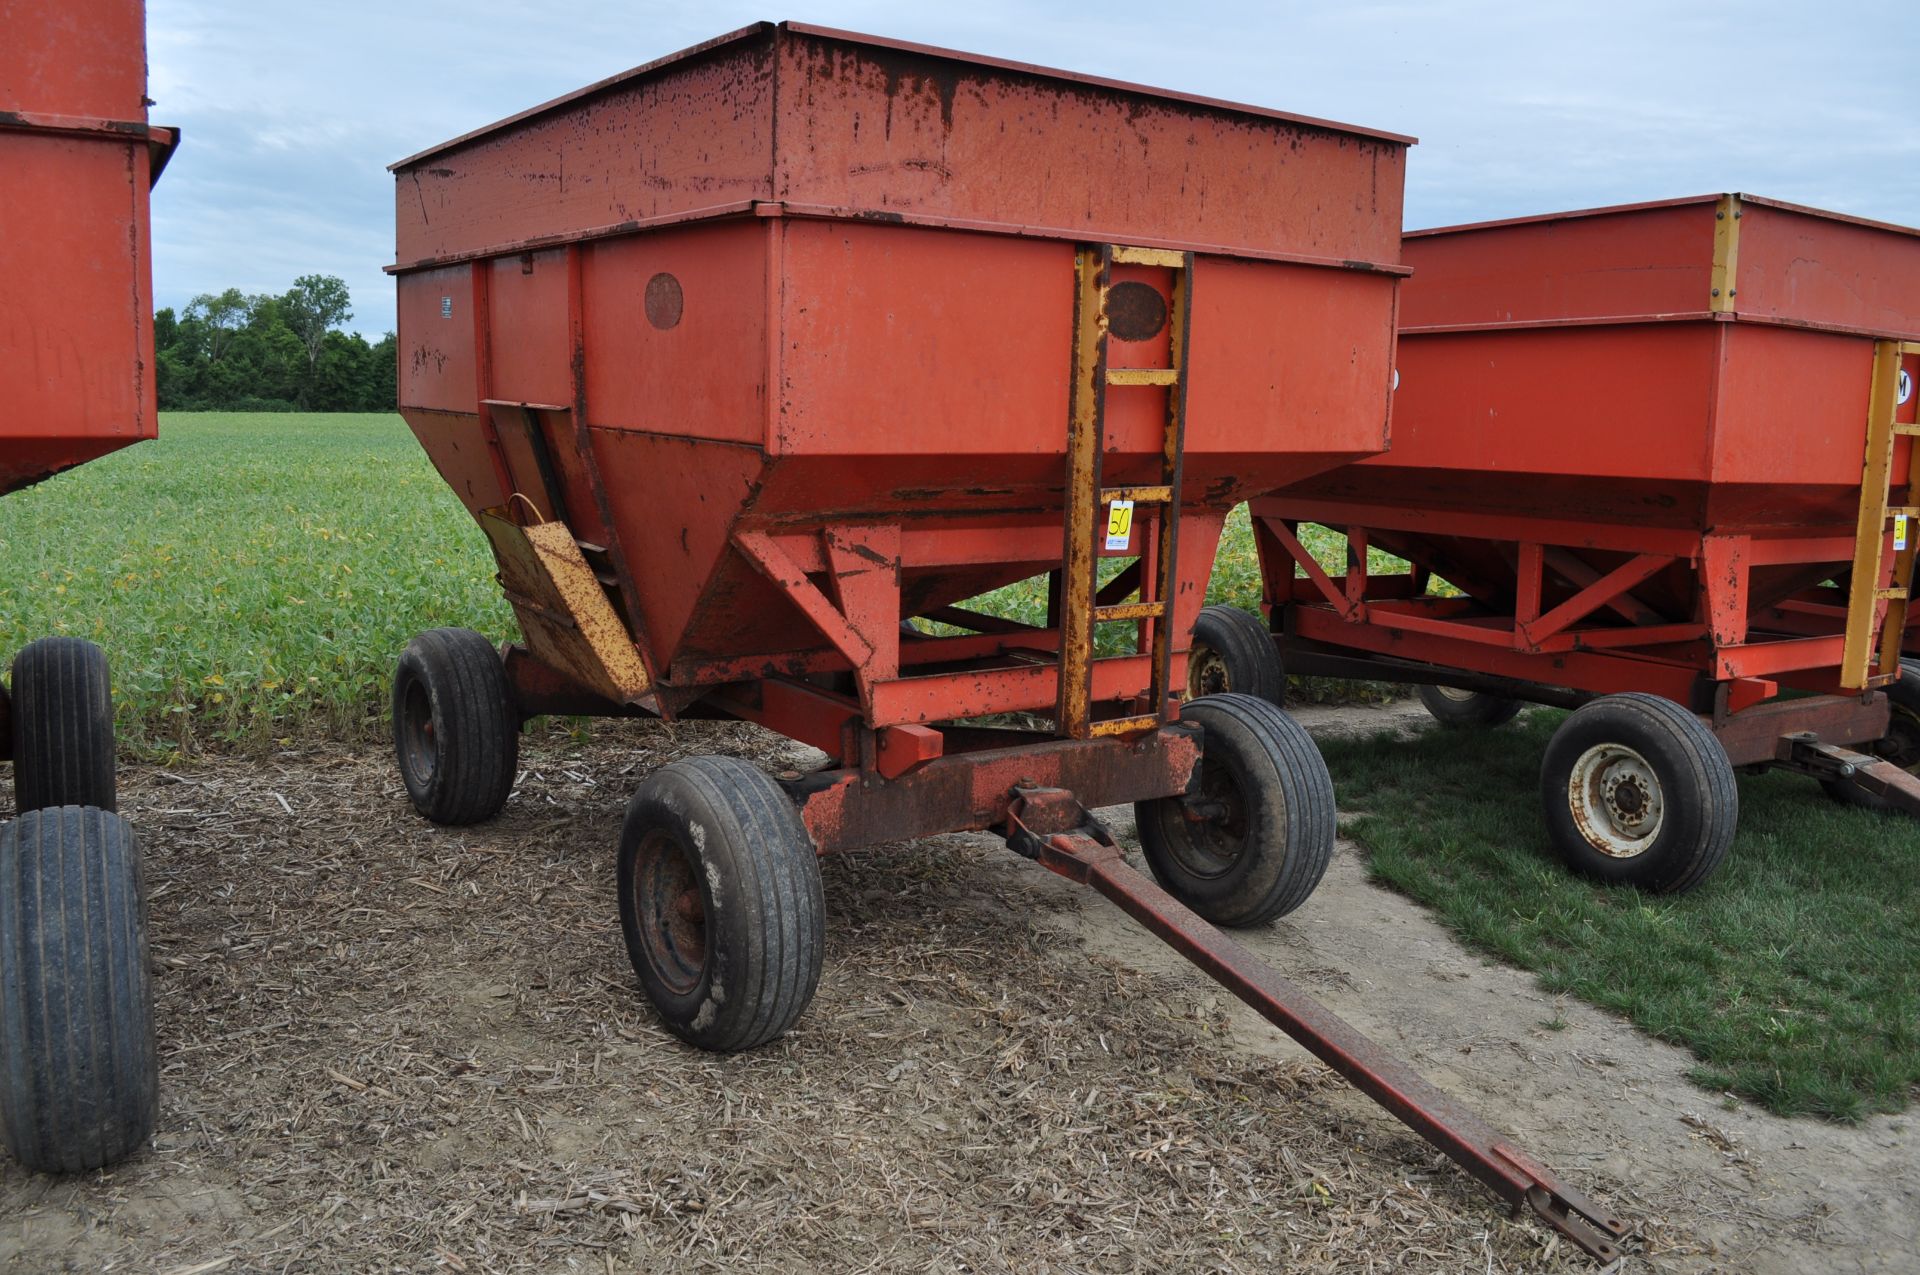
[1050, 827]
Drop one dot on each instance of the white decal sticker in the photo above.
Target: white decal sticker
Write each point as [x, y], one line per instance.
[1119, 524]
[446, 307]
[1899, 531]
[1906, 386]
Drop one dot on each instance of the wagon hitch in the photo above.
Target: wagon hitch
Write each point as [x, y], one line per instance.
[1050, 827]
[1875, 776]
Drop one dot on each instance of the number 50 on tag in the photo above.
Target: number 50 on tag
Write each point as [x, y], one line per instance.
[1119, 524]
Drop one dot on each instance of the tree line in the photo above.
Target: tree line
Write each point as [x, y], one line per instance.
[231, 352]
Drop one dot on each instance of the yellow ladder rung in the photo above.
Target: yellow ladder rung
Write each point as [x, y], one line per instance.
[1911, 511]
[1142, 376]
[1902, 427]
[1138, 495]
[1890, 593]
[1130, 611]
[1124, 725]
[1125, 255]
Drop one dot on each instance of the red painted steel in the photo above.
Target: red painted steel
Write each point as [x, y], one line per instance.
[809, 299]
[76, 329]
[1636, 482]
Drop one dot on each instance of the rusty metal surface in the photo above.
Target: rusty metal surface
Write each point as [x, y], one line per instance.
[970, 790]
[1083, 852]
[76, 329]
[784, 113]
[1753, 736]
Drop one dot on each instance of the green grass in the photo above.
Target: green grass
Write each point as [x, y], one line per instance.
[254, 576]
[1793, 975]
[250, 576]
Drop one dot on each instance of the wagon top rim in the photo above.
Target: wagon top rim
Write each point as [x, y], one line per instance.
[759, 30]
[1651, 205]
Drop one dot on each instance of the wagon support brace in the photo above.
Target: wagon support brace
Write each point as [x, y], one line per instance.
[1050, 827]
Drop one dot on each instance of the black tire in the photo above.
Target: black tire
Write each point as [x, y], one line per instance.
[62, 726]
[1638, 791]
[1467, 710]
[721, 902]
[1232, 650]
[1900, 745]
[455, 730]
[79, 1080]
[1267, 843]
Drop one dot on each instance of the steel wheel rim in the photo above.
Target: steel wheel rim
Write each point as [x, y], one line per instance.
[419, 751]
[1616, 800]
[1213, 847]
[670, 912]
[1206, 672]
[1457, 695]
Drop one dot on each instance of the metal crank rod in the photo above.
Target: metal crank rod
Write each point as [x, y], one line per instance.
[1049, 826]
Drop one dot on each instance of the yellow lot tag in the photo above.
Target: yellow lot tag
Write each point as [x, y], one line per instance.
[1899, 531]
[1119, 524]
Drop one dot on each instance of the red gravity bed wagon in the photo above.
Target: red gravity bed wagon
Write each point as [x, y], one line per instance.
[1664, 456]
[78, 1072]
[753, 360]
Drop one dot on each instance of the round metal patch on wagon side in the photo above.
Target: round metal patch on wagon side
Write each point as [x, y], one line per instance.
[664, 301]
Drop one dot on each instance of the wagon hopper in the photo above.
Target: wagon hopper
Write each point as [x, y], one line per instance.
[77, 1064]
[1633, 440]
[759, 363]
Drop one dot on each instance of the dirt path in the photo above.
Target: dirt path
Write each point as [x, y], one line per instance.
[388, 1046]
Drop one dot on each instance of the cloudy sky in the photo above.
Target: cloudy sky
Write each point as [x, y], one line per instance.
[292, 111]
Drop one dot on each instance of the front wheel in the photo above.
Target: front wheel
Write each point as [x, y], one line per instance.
[1255, 837]
[1638, 791]
[1232, 650]
[1467, 710]
[455, 730]
[721, 902]
[79, 1081]
[62, 726]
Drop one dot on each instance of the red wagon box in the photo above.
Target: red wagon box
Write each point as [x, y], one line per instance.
[76, 332]
[1633, 439]
[794, 293]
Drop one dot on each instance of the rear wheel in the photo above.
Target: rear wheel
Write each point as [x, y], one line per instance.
[1900, 745]
[78, 1077]
[1466, 710]
[1254, 839]
[62, 726]
[1232, 650]
[721, 902]
[455, 730]
[1638, 791]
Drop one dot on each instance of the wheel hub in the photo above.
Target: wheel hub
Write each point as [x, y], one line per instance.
[671, 912]
[1616, 800]
[1206, 673]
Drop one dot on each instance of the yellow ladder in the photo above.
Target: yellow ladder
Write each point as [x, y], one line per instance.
[1872, 649]
[1094, 512]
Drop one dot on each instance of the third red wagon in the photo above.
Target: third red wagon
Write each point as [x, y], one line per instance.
[1632, 440]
